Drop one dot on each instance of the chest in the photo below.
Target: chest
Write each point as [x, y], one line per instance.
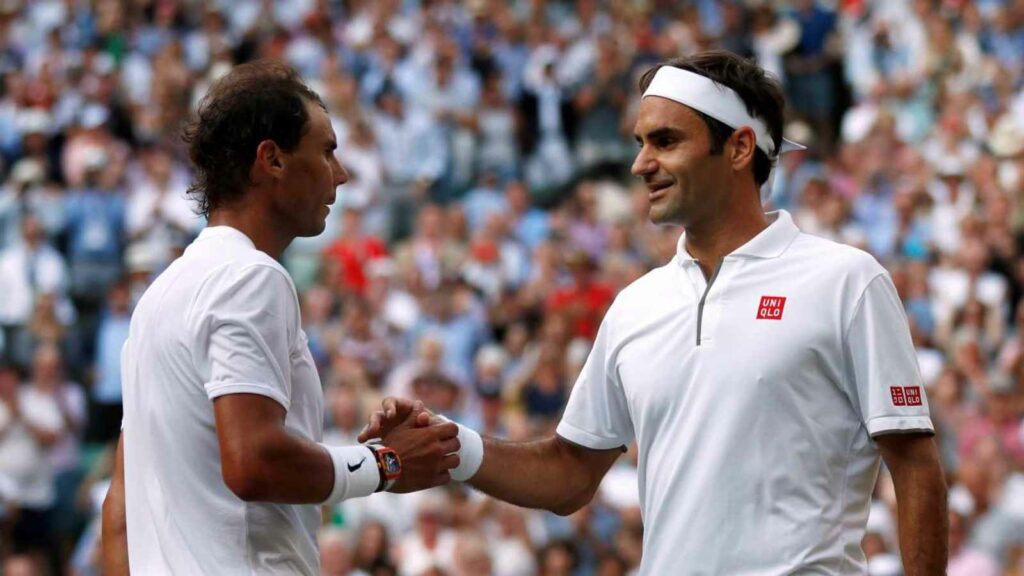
[735, 343]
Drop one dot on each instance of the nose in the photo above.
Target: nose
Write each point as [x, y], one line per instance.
[643, 164]
[340, 174]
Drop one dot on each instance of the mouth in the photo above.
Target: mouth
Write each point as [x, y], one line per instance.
[656, 190]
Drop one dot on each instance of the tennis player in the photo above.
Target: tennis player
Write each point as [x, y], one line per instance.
[764, 373]
[220, 469]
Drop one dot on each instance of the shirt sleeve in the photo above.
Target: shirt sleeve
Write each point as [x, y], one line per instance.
[597, 414]
[249, 330]
[884, 381]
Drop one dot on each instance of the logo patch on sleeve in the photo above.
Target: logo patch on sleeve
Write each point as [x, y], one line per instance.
[905, 395]
[898, 399]
[771, 307]
[913, 394]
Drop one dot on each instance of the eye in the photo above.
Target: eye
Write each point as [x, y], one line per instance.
[666, 142]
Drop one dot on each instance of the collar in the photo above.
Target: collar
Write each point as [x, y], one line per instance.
[769, 243]
[226, 233]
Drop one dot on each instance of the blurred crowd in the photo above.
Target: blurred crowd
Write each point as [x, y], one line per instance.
[489, 221]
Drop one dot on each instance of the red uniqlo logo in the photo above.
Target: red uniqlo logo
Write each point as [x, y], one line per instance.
[898, 399]
[905, 395]
[913, 395]
[771, 308]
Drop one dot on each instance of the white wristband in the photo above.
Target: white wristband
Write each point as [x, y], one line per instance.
[355, 472]
[471, 454]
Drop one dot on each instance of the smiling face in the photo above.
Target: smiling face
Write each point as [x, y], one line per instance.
[310, 176]
[681, 175]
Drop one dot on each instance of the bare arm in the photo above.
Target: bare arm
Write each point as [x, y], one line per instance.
[262, 461]
[553, 474]
[920, 485]
[114, 534]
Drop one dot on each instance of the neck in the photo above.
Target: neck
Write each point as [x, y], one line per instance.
[712, 239]
[265, 235]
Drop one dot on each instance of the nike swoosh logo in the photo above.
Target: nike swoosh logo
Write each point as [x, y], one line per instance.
[352, 468]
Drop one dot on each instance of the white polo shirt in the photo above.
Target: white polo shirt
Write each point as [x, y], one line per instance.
[755, 442]
[222, 319]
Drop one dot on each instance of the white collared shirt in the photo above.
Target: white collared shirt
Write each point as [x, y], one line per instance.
[755, 434]
[222, 319]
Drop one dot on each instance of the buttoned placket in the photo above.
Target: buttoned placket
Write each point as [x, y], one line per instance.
[709, 294]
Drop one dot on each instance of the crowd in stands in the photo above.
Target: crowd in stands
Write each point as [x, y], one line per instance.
[489, 222]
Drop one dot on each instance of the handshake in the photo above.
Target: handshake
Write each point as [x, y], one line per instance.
[432, 449]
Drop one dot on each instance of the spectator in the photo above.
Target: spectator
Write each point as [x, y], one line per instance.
[963, 559]
[472, 555]
[157, 211]
[497, 127]
[348, 258]
[29, 270]
[96, 232]
[415, 154]
[585, 299]
[336, 554]
[431, 546]
[105, 419]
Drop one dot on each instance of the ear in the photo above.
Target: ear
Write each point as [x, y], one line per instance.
[741, 148]
[270, 161]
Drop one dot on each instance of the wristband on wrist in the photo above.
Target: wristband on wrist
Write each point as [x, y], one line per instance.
[471, 453]
[355, 472]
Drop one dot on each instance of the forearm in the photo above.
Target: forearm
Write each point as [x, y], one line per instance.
[114, 532]
[550, 474]
[286, 469]
[261, 461]
[923, 517]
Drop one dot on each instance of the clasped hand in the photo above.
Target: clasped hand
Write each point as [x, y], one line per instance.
[426, 444]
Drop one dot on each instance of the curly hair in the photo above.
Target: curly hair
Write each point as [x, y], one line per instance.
[256, 101]
[761, 92]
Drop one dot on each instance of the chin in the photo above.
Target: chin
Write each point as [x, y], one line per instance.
[662, 216]
[313, 230]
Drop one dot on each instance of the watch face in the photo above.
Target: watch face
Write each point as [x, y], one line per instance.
[392, 466]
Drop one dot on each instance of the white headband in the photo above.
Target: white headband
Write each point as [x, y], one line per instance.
[719, 102]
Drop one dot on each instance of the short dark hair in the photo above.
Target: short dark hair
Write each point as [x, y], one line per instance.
[761, 92]
[256, 101]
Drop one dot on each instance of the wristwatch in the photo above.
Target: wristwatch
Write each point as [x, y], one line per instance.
[388, 464]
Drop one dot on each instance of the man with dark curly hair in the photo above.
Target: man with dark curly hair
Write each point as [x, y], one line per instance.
[220, 469]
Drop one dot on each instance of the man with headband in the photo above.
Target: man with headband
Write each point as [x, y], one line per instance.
[763, 372]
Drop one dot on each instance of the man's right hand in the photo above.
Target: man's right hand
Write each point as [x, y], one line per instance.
[427, 450]
[394, 412]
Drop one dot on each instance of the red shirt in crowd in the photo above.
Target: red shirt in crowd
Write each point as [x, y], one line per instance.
[585, 305]
[350, 256]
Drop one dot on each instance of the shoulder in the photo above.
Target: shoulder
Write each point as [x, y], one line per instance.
[657, 285]
[257, 275]
[239, 281]
[835, 260]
